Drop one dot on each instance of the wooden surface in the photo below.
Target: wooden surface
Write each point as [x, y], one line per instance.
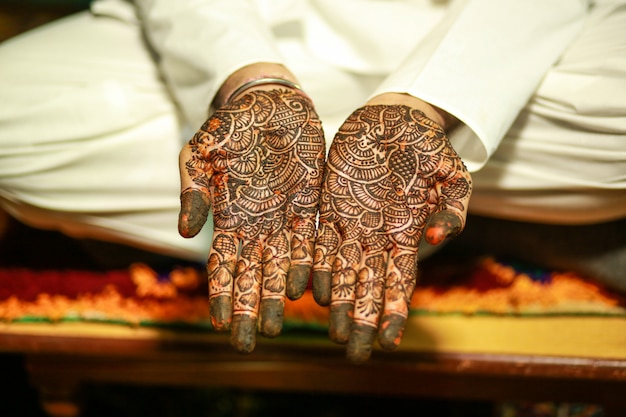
[58, 364]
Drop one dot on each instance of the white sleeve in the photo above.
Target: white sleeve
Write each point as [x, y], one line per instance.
[483, 62]
[199, 43]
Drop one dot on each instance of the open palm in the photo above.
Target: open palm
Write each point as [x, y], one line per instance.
[257, 162]
[391, 176]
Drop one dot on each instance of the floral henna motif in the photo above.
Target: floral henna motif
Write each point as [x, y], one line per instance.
[390, 169]
[258, 161]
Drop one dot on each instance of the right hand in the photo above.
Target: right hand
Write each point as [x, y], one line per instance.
[257, 162]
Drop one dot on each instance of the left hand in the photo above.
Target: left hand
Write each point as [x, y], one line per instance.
[391, 175]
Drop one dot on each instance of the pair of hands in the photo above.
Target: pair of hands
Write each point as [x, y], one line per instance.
[259, 164]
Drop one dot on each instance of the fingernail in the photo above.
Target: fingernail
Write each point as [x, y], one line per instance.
[360, 344]
[391, 331]
[321, 287]
[271, 317]
[243, 333]
[297, 281]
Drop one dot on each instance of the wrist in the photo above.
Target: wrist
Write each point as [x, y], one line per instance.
[434, 113]
[262, 83]
[246, 76]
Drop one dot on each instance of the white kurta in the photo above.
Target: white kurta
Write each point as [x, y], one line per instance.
[91, 119]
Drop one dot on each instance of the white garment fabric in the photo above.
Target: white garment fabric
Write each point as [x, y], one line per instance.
[95, 107]
[89, 136]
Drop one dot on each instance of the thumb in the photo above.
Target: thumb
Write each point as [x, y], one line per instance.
[449, 220]
[195, 201]
[442, 225]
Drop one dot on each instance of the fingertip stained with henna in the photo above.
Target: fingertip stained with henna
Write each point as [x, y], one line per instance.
[321, 287]
[360, 343]
[442, 225]
[340, 322]
[243, 333]
[391, 331]
[297, 281]
[193, 213]
[220, 308]
[271, 317]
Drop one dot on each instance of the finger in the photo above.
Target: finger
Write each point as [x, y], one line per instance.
[344, 279]
[311, 151]
[399, 286]
[220, 268]
[450, 220]
[275, 267]
[246, 296]
[194, 199]
[302, 244]
[326, 248]
[443, 225]
[368, 306]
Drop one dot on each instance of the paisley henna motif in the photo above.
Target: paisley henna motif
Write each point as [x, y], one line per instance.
[390, 169]
[258, 163]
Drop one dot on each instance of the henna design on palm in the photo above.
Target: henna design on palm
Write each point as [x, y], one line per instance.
[257, 162]
[391, 174]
